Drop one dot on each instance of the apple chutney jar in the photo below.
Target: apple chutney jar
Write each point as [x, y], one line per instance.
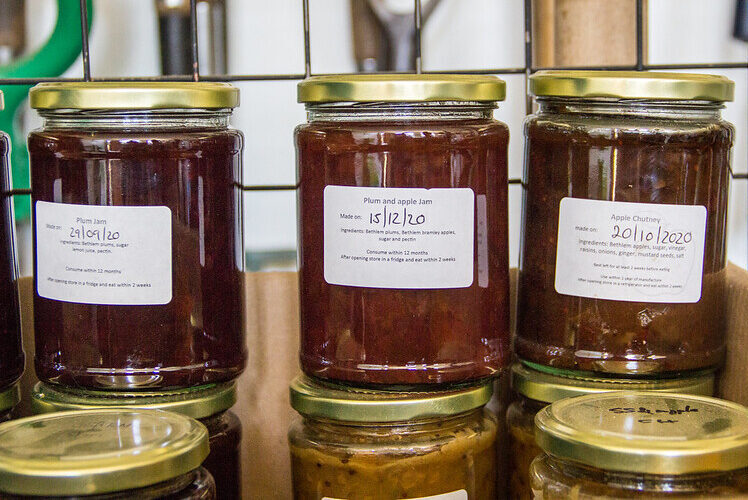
[403, 229]
[137, 235]
[623, 267]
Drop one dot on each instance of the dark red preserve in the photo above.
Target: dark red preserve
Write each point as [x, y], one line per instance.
[138, 249]
[403, 229]
[623, 256]
[11, 353]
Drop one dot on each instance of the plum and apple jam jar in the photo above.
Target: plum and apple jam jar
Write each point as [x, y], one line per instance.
[105, 454]
[641, 445]
[382, 445]
[623, 253]
[536, 388]
[138, 248]
[403, 229]
[11, 353]
[210, 405]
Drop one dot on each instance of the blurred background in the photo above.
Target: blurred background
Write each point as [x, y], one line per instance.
[135, 37]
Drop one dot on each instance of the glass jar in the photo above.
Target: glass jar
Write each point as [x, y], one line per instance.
[9, 398]
[105, 454]
[534, 389]
[138, 237]
[385, 445]
[11, 353]
[623, 253]
[403, 229]
[641, 445]
[209, 405]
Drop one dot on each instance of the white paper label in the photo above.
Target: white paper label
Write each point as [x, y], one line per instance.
[103, 254]
[455, 495]
[399, 237]
[634, 252]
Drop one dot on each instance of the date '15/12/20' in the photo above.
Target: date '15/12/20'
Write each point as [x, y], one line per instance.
[385, 218]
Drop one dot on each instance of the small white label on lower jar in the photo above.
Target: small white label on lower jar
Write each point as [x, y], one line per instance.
[633, 252]
[110, 255]
[399, 237]
[454, 495]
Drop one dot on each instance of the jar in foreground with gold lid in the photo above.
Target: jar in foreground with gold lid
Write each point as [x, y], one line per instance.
[384, 445]
[536, 388]
[403, 229]
[623, 254]
[11, 352]
[105, 454]
[137, 211]
[208, 405]
[641, 445]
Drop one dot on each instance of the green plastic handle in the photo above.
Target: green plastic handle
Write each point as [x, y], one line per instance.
[56, 56]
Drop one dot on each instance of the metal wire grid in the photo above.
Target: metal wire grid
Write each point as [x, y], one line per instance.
[527, 70]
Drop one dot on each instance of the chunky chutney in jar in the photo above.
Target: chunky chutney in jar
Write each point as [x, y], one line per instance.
[385, 445]
[403, 229]
[623, 253]
[105, 454]
[208, 404]
[11, 352]
[535, 389]
[641, 445]
[138, 249]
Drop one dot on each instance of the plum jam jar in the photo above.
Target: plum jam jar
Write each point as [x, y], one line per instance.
[105, 454]
[210, 405]
[11, 353]
[137, 234]
[403, 229]
[623, 254]
[641, 445]
[534, 389]
[383, 445]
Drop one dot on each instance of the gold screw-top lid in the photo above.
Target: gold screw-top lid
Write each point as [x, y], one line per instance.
[10, 397]
[401, 88]
[646, 432]
[551, 385]
[96, 452]
[632, 85]
[322, 400]
[133, 95]
[196, 403]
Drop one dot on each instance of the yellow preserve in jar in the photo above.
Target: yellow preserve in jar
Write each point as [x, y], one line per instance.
[356, 444]
[641, 445]
[535, 387]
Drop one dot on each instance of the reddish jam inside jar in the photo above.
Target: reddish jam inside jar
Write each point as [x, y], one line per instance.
[224, 460]
[674, 153]
[188, 162]
[11, 353]
[403, 335]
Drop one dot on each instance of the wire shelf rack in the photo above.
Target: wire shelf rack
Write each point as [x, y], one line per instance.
[527, 69]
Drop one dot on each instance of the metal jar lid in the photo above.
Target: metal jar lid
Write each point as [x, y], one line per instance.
[401, 88]
[549, 385]
[632, 85]
[321, 400]
[95, 452]
[646, 432]
[201, 402]
[133, 95]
